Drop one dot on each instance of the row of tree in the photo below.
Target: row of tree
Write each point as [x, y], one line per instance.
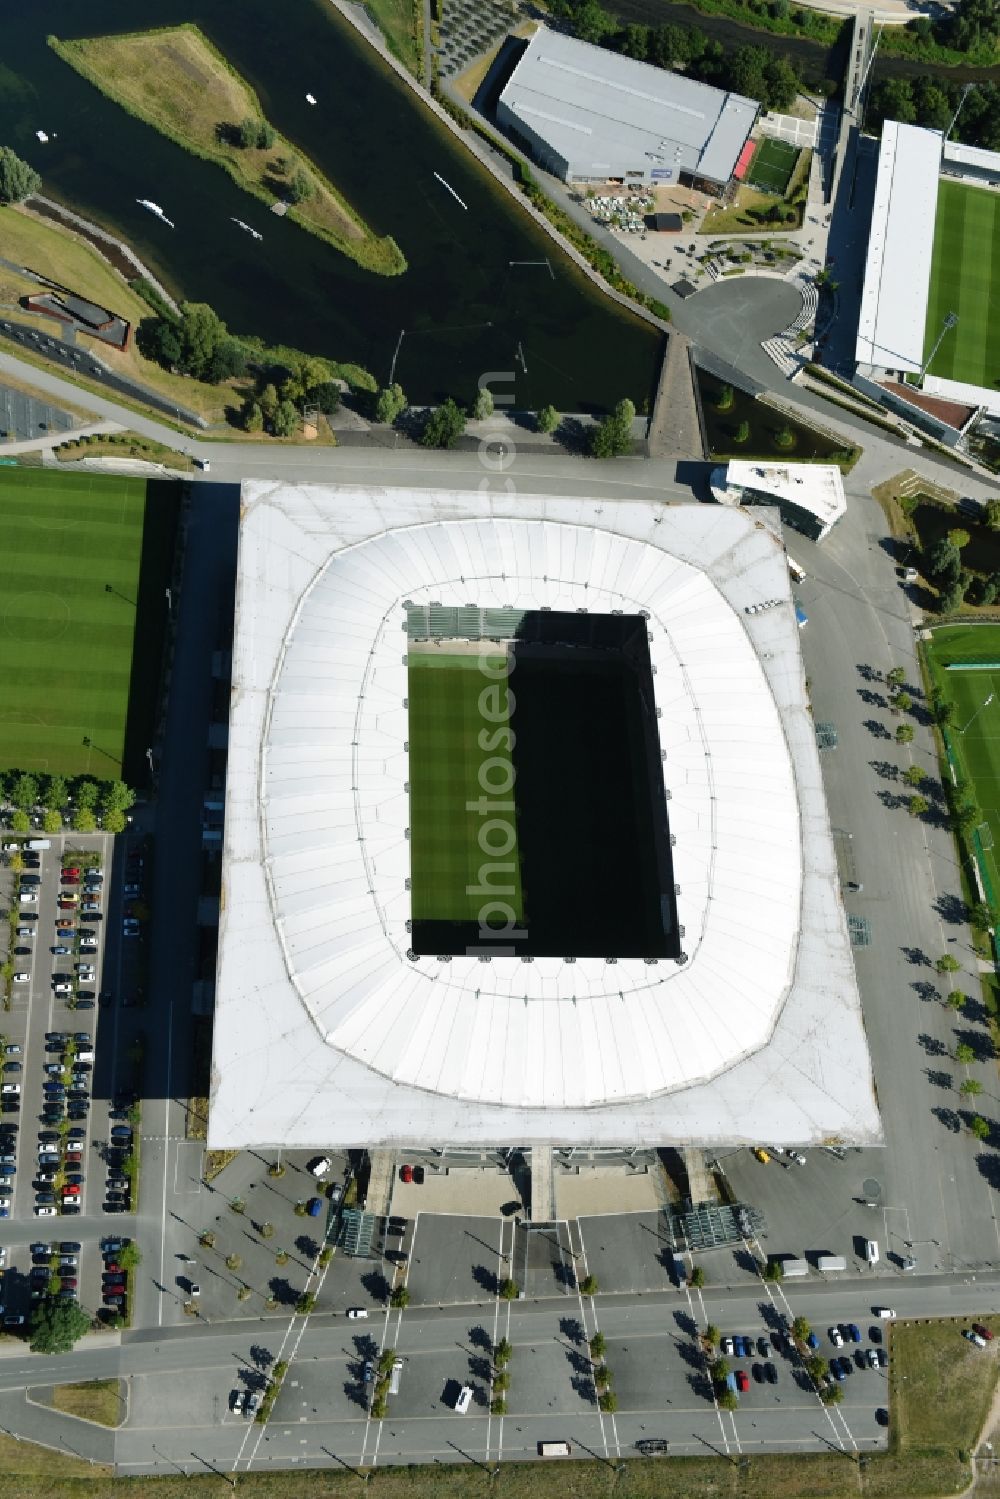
[196, 343]
[81, 800]
[932, 102]
[17, 180]
[942, 563]
[750, 70]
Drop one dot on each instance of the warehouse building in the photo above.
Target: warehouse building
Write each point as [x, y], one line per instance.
[589, 115]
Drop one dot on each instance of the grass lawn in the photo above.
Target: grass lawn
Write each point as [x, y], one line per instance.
[81, 620]
[735, 217]
[97, 1400]
[397, 21]
[977, 750]
[446, 720]
[772, 165]
[965, 279]
[55, 252]
[942, 1402]
[175, 80]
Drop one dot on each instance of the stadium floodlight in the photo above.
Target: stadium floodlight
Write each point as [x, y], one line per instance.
[950, 319]
[958, 111]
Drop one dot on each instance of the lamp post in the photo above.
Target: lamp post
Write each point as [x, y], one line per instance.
[950, 319]
[977, 713]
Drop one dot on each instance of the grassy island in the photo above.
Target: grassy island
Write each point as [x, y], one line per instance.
[176, 81]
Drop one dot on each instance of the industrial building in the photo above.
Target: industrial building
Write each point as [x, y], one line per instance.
[589, 115]
[334, 1026]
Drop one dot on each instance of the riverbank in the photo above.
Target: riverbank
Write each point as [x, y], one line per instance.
[174, 80]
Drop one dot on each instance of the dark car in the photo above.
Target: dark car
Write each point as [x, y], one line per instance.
[875, 1333]
[770, 1373]
[763, 1347]
[882, 1416]
[983, 1331]
[853, 1331]
[757, 1370]
[114, 1207]
[84, 1004]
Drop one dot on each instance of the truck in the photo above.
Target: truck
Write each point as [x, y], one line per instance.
[793, 1268]
[39, 843]
[554, 1449]
[829, 1262]
[397, 1369]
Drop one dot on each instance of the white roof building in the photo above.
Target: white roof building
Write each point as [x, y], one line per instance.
[327, 1031]
[809, 496]
[900, 249]
[590, 114]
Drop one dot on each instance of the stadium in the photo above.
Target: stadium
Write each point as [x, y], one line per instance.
[931, 298]
[526, 840]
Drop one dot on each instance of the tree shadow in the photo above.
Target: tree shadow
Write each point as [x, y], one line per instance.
[917, 957]
[885, 769]
[565, 1275]
[572, 1329]
[690, 1354]
[939, 1079]
[980, 1042]
[869, 673]
[948, 1117]
[262, 1357]
[926, 991]
[480, 1368]
[744, 1260]
[932, 1046]
[579, 1362]
[873, 699]
[584, 1387]
[686, 1323]
[307, 1246]
[480, 1338]
[989, 1170]
[877, 729]
[357, 1391]
[376, 1285]
[700, 1386]
[486, 1279]
[891, 800]
[282, 1291]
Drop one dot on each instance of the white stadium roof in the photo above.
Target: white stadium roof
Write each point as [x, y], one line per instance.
[327, 1032]
[900, 246]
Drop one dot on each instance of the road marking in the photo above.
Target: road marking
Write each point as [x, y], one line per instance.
[583, 1318]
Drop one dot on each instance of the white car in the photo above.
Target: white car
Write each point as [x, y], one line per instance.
[11, 1089]
[836, 1337]
[886, 1313]
[797, 1157]
[62, 988]
[22, 978]
[871, 1251]
[27, 896]
[320, 1166]
[357, 1313]
[45, 1212]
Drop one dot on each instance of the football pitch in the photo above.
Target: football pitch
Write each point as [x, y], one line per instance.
[446, 720]
[974, 735]
[772, 165]
[965, 279]
[69, 585]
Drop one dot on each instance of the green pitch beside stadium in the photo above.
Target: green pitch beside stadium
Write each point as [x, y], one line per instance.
[965, 279]
[772, 165]
[66, 641]
[976, 752]
[446, 718]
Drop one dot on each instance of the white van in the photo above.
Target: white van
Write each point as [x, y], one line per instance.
[871, 1251]
[464, 1400]
[40, 843]
[397, 1369]
[554, 1449]
[796, 569]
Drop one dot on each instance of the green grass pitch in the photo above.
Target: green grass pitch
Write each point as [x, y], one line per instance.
[65, 640]
[446, 718]
[772, 165]
[965, 279]
[977, 750]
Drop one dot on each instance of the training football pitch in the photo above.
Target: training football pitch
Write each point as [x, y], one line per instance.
[69, 583]
[974, 735]
[446, 720]
[772, 165]
[965, 279]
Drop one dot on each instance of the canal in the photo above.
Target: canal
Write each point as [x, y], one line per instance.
[486, 289]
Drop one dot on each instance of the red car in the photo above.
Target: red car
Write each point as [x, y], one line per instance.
[112, 1269]
[71, 1191]
[406, 1173]
[71, 872]
[983, 1331]
[742, 1382]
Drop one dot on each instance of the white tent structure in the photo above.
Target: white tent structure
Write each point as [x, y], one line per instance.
[329, 1031]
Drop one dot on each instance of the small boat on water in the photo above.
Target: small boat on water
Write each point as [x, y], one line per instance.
[310, 98]
[248, 228]
[40, 134]
[155, 208]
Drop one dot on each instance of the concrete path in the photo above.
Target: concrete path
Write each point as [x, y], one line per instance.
[56, 439]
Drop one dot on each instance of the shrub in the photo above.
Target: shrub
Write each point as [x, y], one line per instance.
[233, 1261]
[608, 1402]
[509, 1290]
[400, 1297]
[547, 419]
[588, 1285]
[498, 1406]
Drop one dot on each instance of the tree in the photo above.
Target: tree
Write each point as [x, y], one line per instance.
[285, 421]
[742, 433]
[23, 794]
[113, 822]
[832, 1394]
[265, 136]
[325, 396]
[54, 792]
[17, 180]
[243, 1294]
[129, 1256]
[914, 775]
[246, 133]
[598, 1345]
[971, 1088]
[588, 1285]
[56, 1325]
[896, 677]
[502, 1352]
[959, 538]
[591, 22]
[951, 598]
[942, 561]
[85, 792]
[20, 822]
[903, 701]
[917, 805]
[547, 419]
[728, 1400]
[947, 963]
[305, 1304]
[725, 398]
[379, 1407]
[509, 1290]
[51, 821]
[720, 1369]
[233, 1261]
[400, 1298]
[498, 1406]
[116, 796]
[817, 1368]
[964, 1053]
[979, 914]
[774, 1270]
[944, 710]
[613, 437]
[977, 1126]
[904, 733]
[253, 417]
[268, 401]
[993, 514]
[712, 1334]
[501, 1380]
[801, 1329]
[892, 99]
[608, 1402]
[483, 405]
[84, 820]
[444, 426]
[390, 405]
[300, 188]
[697, 1276]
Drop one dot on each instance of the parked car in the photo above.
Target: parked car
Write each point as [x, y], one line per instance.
[974, 1337]
[983, 1331]
[742, 1382]
[356, 1313]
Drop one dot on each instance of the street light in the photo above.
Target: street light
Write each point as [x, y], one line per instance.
[977, 712]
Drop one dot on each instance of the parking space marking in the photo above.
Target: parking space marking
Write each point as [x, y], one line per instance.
[704, 1323]
[583, 1318]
